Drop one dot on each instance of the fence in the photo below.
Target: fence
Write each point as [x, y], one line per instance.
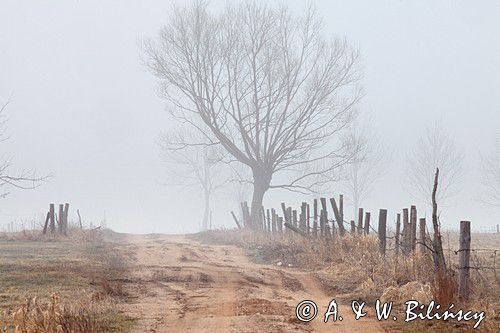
[312, 221]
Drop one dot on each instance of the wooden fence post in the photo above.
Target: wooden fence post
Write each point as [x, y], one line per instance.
[60, 220]
[280, 225]
[353, 227]
[464, 259]
[52, 218]
[382, 230]
[367, 223]
[396, 237]
[268, 220]
[315, 220]
[80, 219]
[406, 232]
[421, 229]
[360, 221]
[303, 217]
[308, 218]
[46, 223]
[325, 217]
[232, 214]
[338, 215]
[413, 221]
[274, 222]
[66, 213]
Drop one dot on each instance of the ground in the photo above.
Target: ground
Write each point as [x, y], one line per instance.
[180, 285]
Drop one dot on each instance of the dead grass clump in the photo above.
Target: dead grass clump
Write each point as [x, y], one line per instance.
[54, 317]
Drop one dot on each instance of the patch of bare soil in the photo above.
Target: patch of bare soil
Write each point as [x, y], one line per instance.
[180, 285]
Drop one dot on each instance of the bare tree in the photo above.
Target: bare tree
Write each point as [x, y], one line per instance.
[197, 166]
[263, 84]
[368, 166]
[490, 177]
[22, 179]
[434, 149]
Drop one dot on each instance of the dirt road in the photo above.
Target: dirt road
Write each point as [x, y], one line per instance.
[180, 285]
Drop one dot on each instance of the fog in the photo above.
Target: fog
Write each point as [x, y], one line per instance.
[85, 109]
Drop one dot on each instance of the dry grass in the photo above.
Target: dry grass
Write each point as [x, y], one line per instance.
[352, 268]
[82, 268]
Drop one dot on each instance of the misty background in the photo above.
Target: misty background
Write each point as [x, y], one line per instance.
[85, 109]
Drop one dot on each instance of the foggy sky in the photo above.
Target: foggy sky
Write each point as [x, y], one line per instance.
[85, 109]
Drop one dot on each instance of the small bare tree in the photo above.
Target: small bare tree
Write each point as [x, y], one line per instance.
[21, 180]
[367, 166]
[435, 149]
[196, 165]
[264, 85]
[490, 177]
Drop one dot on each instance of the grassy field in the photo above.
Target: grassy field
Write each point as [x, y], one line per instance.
[77, 273]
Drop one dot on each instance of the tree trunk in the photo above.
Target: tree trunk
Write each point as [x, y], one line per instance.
[260, 185]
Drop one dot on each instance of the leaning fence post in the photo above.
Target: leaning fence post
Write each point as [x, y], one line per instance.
[46, 223]
[464, 259]
[382, 230]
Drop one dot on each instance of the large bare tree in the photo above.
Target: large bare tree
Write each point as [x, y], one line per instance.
[20, 179]
[490, 177]
[435, 149]
[198, 166]
[265, 85]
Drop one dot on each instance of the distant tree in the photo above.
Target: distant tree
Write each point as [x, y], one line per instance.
[264, 85]
[21, 179]
[366, 168]
[434, 149]
[195, 165]
[490, 177]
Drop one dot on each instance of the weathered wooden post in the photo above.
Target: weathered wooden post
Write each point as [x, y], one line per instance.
[315, 220]
[421, 229]
[353, 227]
[367, 223]
[325, 217]
[66, 214]
[396, 237]
[46, 224]
[308, 218]
[81, 225]
[60, 220]
[280, 225]
[338, 215]
[413, 230]
[360, 221]
[406, 232]
[464, 259]
[303, 217]
[382, 230]
[268, 219]
[274, 226]
[232, 214]
[52, 218]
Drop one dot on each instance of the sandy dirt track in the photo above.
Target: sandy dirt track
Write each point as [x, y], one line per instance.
[180, 285]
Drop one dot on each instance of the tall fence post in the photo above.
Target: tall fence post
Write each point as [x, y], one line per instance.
[464, 259]
[52, 218]
[367, 223]
[382, 230]
[413, 229]
[406, 232]
[315, 220]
